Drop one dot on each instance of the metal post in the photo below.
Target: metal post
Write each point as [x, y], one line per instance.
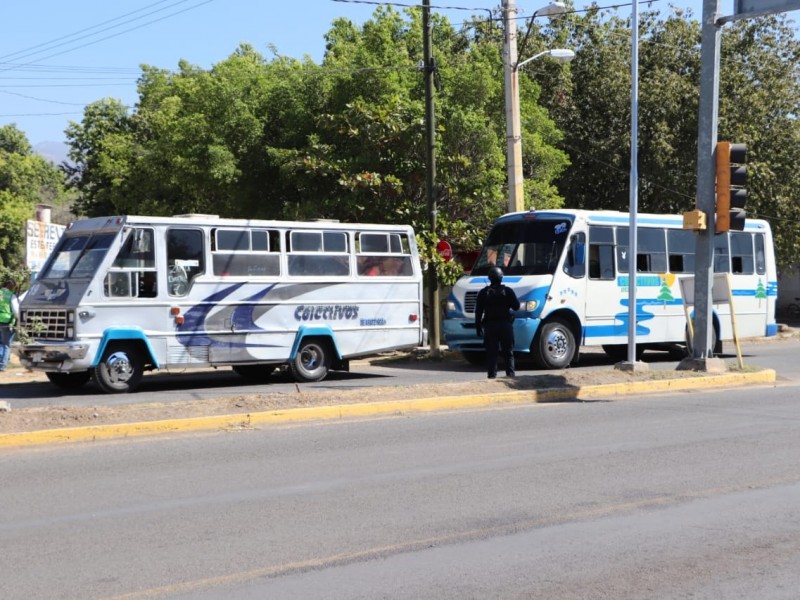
[430, 177]
[633, 238]
[516, 195]
[706, 143]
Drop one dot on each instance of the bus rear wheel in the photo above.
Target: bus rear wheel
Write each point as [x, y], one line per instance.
[120, 370]
[312, 361]
[554, 346]
[69, 381]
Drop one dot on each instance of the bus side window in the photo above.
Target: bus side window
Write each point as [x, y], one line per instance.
[133, 273]
[761, 264]
[742, 253]
[681, 244]
[651, 250]
[185, 259]
[601, 253]
[722, 263]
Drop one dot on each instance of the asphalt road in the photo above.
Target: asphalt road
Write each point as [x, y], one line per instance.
[780, 355]
[671, 496]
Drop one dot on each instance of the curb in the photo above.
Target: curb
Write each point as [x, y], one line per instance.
[246, 421]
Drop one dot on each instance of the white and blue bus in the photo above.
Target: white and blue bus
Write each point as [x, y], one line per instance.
[570, 270]
[122, 295]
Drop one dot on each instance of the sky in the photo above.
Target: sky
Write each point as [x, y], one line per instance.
[56, 57]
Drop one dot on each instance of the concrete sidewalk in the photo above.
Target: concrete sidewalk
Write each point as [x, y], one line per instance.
[252, 420]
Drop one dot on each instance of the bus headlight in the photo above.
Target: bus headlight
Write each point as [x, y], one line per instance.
[451, 306]
[530, 305]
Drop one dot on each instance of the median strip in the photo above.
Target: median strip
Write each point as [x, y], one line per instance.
[244, 421]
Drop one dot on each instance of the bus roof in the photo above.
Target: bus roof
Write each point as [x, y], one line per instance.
[615, 217]
[115, 223]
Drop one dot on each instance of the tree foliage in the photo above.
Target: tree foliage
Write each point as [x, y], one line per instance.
[758, 105]
[26, 179]
[345, 139]
[282, 138]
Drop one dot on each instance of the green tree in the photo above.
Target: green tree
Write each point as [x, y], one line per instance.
[282, 138]
[759, 104]
[759, 95]
[26, 179]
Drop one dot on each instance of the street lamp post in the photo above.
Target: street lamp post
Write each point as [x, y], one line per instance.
[516, 196]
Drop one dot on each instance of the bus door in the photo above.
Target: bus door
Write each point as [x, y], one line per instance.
[604, 308]
[185, 262]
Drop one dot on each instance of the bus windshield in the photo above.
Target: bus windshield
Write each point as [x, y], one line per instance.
[77, 257]
[524, 247]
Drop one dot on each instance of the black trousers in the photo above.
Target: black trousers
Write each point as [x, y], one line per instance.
[499, 334]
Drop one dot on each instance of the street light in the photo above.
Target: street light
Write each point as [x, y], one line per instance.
[561, 55]
[516, 196]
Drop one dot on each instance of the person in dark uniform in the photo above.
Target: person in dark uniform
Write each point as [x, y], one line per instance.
[494, 321]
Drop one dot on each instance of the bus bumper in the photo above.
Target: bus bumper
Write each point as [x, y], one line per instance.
[460, 334]
[52, 357]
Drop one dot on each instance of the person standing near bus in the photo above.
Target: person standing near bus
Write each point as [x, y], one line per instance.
[9, 309]
[494, 321]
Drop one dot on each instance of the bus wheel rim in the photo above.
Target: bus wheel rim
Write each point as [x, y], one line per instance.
[119, 367]
[557, 344]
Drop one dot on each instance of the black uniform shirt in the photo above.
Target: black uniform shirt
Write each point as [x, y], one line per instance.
[495, 303]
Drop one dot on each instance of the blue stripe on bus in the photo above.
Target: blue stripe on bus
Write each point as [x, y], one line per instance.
[621, 320]
[506, 279]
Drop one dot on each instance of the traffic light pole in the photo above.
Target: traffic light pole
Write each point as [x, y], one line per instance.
[702, 350]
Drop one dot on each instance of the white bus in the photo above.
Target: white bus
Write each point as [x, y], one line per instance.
[570, 270]
[122, 295]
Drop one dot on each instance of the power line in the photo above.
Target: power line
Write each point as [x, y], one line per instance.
[58, 114]
[42, 99]
[113, 35]
[66, 85]
[82, 30]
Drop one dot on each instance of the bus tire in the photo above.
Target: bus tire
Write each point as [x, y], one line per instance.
[120, 370]
[554, 346]
[312, 361]
[69, 381]
[477, 359]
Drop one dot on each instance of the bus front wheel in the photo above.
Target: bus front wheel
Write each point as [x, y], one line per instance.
[554, 345]
[120, 370]
[312, 362]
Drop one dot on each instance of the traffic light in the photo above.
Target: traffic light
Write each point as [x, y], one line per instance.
[731, 196]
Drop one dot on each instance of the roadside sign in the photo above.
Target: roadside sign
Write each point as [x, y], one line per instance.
[41, 238]
[445, 250]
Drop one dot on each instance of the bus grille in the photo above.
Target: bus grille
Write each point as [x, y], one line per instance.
[45, 324]
[470, 299]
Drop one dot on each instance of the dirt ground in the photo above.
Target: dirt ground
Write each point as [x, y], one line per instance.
[35, 419]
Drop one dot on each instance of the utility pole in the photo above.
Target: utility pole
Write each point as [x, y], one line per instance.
[516, 194]
[702, 353]
[430, 175]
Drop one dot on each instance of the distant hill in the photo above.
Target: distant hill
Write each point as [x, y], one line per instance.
[55, 152]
